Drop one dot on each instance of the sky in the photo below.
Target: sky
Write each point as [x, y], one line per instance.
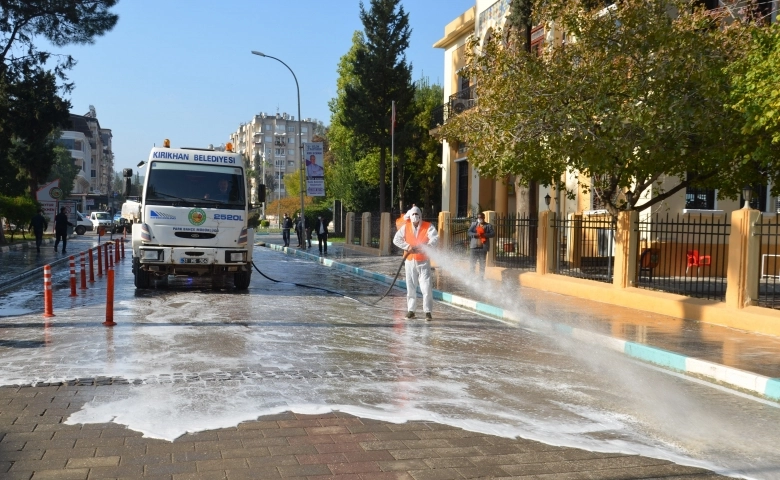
[183, 69]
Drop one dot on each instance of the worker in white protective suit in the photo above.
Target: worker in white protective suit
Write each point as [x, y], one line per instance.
[413, 238]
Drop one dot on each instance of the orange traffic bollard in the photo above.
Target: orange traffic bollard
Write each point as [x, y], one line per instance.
[123, 249]
[110, 250]
[72, 276]
[110, 300]
[100, 262]
[48, 310]
[83, 272]
[91, 268]
[105, 256]
[116, 251]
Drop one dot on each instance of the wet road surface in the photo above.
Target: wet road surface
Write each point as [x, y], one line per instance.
[184, 358]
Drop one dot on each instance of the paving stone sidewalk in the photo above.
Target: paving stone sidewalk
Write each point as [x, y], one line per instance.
[35, 444]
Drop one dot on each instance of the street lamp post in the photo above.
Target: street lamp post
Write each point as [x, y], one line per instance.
[300, 145]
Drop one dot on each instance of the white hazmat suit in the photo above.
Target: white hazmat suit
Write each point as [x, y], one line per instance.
[414, 237]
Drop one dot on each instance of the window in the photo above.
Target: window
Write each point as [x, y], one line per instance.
[267, 152]
[698, 198]
[304, 129]
[291, 129]
[279, 152]
[279, 164]
[269, 138]
[92, 173]
[290, 152]
[67, 143]
[77, 145]
[290, 140]
[463, 188]
[279, 129]
[279, 141]
[290, 163]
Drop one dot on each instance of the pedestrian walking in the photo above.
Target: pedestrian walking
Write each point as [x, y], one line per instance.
[480, 232]
[38, 224]
[321, 227]
[286, 226]
[299, 231]
[61, 224]
[414, 238]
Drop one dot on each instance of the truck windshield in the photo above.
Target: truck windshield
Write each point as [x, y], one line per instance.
[188, 185]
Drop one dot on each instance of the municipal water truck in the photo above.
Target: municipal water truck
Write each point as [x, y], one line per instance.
[191, 218]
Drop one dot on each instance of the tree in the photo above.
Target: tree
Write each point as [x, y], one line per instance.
[66, 171]
[755, 95]
[637, 96]
[381, 76]
[61, 22]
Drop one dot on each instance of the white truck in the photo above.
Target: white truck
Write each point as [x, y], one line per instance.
[191, 218]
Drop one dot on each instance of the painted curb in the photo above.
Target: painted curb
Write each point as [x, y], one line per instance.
[765, 386]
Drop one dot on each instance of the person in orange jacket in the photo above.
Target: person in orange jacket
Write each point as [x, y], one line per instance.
[415, 236]
[480, 232]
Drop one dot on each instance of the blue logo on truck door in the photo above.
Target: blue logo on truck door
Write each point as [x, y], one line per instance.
[224, 216]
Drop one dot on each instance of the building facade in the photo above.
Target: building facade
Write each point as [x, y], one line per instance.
[271, 144]
[91, 150]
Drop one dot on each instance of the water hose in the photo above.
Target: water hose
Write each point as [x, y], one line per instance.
[370, 304]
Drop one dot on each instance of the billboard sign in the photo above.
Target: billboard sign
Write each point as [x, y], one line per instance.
[315, 169]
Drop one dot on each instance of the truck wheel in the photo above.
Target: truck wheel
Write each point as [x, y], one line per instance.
[80, 230]
[241, 280]
[142, 278]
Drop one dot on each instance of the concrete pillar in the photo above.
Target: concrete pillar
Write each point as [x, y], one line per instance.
[365, 235]
[743, 261]
[490, 217]
[349, 228]
[545, 246]
[626, 244]
[445, 232]
[386, 232]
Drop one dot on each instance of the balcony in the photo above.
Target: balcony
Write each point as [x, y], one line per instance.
[458, 102]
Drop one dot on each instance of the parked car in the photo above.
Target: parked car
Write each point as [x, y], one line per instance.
[82, 224]
[120, 224]
[101, 219]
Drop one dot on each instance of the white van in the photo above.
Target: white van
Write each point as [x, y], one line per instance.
[82, 224]
[101, 219]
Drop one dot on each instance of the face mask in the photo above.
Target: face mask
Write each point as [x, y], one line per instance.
[481, 220]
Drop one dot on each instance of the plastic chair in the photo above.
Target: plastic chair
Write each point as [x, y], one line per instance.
[696, 260]
[649, 260]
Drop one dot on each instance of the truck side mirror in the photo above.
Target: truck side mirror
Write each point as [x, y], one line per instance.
[128, 186]
[261, 193]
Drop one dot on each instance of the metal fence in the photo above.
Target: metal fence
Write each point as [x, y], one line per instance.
[376, 224]
[357, 232]
[586, 247]
[459, 227]
[686, 255]
[516, 238]
[768, 231]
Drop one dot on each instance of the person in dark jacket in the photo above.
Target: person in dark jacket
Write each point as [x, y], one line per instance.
[38, 224]
[286, 226]
[61, 225]
[321, 227]
[480, 232]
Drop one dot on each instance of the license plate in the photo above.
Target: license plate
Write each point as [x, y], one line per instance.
[195, 260]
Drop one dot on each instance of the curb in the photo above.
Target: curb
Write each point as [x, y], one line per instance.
[758, 384]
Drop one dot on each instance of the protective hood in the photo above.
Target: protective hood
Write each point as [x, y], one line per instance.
[413, 210]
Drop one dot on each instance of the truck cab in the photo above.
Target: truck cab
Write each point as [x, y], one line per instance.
[191, 218]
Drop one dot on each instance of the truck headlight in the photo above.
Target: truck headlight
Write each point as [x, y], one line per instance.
[154, 255]
[235, 256]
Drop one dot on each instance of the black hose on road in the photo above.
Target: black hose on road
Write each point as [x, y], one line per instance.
[370, 304]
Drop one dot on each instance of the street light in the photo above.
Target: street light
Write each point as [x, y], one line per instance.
[547, 199]
[747, 194]
[300, 145]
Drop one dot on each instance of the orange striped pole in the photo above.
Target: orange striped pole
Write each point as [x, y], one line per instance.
[110, 251]
[123, 249]
[100, 261]
[72, 276]
[48, 310]
[83, 272]
[110, 300]
[91, 268]
[105, 256]
[115, 246]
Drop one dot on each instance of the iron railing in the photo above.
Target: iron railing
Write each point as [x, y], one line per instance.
[516, 238]
[357, 232]
[586, 247]
[685, 255]
[459, 227]
[376, 224]
[768, 232]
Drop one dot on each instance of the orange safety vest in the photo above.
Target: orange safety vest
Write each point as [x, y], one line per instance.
[399, 223]
[420, 239]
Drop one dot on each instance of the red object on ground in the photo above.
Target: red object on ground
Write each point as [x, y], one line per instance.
[48, 309]
[100, 261]
[72, 276]
[83, 272]
[91, 268]
[110, 300]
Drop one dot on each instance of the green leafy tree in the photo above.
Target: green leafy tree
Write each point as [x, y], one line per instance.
[381, 75]
[66, 171]
[634, 94]
[756, 96]
[18, 211]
